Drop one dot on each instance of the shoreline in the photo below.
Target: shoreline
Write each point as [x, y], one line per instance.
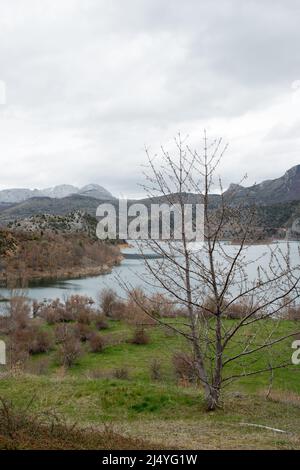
[62, 275]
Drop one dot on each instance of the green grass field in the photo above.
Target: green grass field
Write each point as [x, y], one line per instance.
[163, 411]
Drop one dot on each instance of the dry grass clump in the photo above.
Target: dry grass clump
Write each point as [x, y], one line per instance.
[282, 396]
[22, 430]
[121, 373]
[155, 370]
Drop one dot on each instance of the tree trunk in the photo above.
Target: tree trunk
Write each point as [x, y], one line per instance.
[212, 398]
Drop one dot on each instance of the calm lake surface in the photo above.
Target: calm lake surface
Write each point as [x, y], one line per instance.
[133, 271]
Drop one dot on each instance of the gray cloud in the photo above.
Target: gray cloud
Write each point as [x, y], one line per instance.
[90, 83]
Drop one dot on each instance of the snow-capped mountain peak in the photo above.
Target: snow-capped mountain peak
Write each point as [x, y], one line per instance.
[16, 195]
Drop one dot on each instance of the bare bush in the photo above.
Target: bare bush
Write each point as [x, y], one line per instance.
[79, 308]
[82, 331]
[184, 367]
[54, 312]
[76, 308]
[136, 306]
[40, 341]
[96, 343]
[100, 321]
[63, 332]
[18, 311]
[162, 306]
[140, 336]
[69, 351]
[107, 299]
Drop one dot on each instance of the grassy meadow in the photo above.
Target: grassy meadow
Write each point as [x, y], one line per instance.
[135, 391]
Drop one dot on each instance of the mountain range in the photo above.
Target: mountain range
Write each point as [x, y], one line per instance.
[16, 195]
[279, 190]
[277, 200]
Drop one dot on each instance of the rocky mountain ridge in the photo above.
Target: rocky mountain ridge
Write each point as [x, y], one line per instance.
[17, 195]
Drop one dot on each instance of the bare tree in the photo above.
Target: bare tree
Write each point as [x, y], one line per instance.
[232, 298]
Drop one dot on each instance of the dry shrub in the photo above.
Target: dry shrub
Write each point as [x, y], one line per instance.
[140, 336]
[118, 312]
[79, 308]
[18, 354]
[234, 311]
[76, 308]
[54, 312]
[155, 370]
[31, 340]
[63, 331]
[136, 307]
[69, 351]
[82, 331]
[238, 310]
[107, 299]
[184, 367]
[121, 373]
[282, 396]
[18, 312]
[40, 341]
[100, 321]
[96, 343]
[161, 306]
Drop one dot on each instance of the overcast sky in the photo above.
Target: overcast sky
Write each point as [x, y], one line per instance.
[89, 83]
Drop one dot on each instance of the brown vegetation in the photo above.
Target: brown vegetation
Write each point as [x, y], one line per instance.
[140, 336]
[96, 342]
[36, 256]
[184, 367]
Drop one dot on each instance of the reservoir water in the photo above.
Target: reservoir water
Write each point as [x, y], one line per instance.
[133, 271]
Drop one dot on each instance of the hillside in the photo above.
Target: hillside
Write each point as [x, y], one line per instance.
[46, 205]
[27, 256]
[74, 222]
